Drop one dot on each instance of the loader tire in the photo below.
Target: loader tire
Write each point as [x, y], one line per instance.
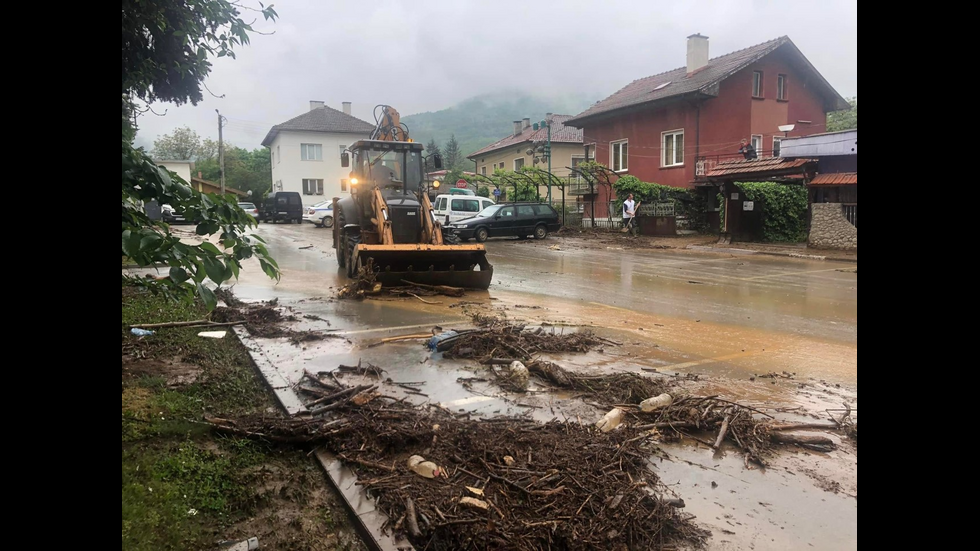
[352, 241]
[342, 239]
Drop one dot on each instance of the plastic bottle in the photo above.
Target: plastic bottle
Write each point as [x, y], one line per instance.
[610, 420]
[519, 374]
[140, 332]
[421, 467]
[661, 401]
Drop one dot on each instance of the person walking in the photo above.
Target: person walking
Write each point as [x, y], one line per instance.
[629, 211]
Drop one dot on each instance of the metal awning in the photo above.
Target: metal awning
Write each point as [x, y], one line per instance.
[759, 169]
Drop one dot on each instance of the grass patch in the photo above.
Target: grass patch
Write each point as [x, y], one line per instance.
[182, 486]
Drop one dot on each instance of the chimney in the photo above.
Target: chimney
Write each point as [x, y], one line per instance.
[526, 122]
[517, 128]
[316, 105]
[347, 108]
[697, 52]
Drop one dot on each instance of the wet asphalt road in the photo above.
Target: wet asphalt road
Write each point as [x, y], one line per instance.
[716, 313]
[727, 316]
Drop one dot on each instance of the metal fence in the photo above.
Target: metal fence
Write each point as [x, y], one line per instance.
[851, 213]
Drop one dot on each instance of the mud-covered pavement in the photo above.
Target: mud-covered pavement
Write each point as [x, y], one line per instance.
[716, 322]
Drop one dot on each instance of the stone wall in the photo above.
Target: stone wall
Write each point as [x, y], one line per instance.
[829, 229]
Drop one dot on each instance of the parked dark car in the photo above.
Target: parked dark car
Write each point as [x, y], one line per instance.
[282, 205]
[171, 216]
[508, 219]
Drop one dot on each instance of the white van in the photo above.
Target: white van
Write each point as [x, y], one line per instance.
[450, 208]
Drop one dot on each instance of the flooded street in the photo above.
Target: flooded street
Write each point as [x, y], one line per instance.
[713, 321]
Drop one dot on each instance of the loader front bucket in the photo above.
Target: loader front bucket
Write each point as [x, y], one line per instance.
[454, 265]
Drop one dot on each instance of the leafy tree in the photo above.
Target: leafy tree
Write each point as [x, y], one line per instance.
[483, 191]
[245, 170]
[167, 48]
[183, 145]
[452, 156]
[208, 150]
[431, 150]
[844, 120]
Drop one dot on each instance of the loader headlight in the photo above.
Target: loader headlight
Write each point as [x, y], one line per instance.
[353, 181]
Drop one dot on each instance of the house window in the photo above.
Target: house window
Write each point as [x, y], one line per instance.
[781, 87]
[775, 145]
[501, 166]
[483, 170]
[278, 154]
[672, 145]
[757, 143]
[311, 151]
[312, 187]
[619, 156]
[518, 163]
[343, 184]
[272, 156]
[575, 162]
[757, 84]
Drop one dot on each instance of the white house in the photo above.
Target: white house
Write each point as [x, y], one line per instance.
[182, 168]
[305, 151]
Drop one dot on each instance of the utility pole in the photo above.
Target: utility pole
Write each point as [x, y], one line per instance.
[221, 152]
[548, 153]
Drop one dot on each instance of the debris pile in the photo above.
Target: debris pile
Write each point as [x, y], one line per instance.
[502, 483]
[515, 342]
[617, 388]
[263, 320]
[364, 284]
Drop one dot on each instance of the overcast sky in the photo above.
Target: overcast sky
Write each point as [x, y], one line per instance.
[427, 55]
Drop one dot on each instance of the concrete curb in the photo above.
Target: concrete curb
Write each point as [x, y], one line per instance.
[367, 519]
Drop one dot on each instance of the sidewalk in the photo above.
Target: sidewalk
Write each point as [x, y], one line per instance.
[801, 250]
[697, 242]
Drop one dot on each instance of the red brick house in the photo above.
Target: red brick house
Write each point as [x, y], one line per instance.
[671, 128]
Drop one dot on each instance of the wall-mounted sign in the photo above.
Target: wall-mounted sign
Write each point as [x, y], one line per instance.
[748, 205]
[734, 197]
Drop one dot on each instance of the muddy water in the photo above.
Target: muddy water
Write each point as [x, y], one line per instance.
[724, 318]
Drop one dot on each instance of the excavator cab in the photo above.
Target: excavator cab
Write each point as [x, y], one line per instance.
[389, 223]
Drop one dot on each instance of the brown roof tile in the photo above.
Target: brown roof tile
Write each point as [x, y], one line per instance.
[835, 179]
[678, 82]
[559, 134]
[743, 166]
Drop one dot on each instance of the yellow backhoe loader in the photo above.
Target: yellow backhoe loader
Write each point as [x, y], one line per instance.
[388, 222]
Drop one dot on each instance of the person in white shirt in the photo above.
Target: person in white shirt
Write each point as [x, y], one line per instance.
[628, 211]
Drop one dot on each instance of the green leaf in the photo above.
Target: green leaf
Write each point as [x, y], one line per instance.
[178, 275]
[207, 295]
[209, 247]
[131, 245]
[215, 269]
[150, 241]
